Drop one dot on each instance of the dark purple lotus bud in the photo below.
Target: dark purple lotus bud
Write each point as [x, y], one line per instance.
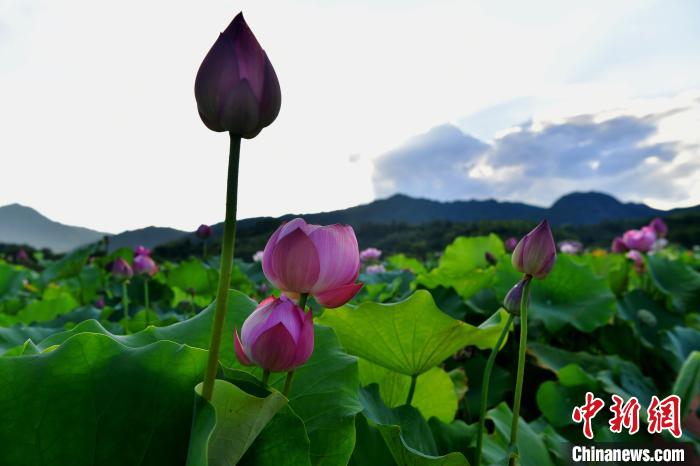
[490, 258]
[100, 303]
[511, 243]
[536, 252]
[659, 227]
[511, 303]
[121, 270]
[203, 232]
[22, 257]
[618, 246]
[236, 87]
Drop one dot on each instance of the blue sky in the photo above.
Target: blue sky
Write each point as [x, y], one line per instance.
[441, 99]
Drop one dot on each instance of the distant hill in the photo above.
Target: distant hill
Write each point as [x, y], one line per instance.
[23, 225]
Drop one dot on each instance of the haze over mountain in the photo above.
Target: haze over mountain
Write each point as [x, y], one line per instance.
[24, 225]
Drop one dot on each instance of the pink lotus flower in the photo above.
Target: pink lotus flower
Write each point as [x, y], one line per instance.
[236, 87]
[570, 247]
[536, 252]
[278, 336]
[642, 240]
[370, 254]
[258, 256]
[618, 246]
[203, 231]
[142, 251]
[638, 259]
[145, 265]
[510, 244]
[323, 261]
[659, 227]
[375, 269]
[121, 270]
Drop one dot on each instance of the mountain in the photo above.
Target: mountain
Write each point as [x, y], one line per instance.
[23, 225]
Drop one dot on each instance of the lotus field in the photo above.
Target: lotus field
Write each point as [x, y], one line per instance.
[322, 351]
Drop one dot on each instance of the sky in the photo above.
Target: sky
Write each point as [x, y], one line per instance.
[520, 101]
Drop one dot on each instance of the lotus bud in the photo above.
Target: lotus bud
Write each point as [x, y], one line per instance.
[121, 270]
[100, 303]
[142, 251]
[278, 336]
[370, 254]
[536, 252]
[22, 257]
[659, 227]
[323, 261]
[641, 240]
[490, 258]
[203, 231]
[145, 265]
[236, 87]
[511, 302]
[511, 243]
[618, 246]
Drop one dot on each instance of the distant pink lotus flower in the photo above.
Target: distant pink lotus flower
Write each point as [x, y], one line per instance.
[258, 256]
[570, 247]
[375, 269]
[203, 231]
[370, 254]
[323, 261]
[659, 227]
[618, 246]
[642, 240]
[536, 252]
[278, 336]
[142, 251]
[145, 265]
[511, 243]
[121, 270]
[100, 303]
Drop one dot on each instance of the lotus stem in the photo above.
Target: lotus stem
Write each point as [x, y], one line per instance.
[125, 304]
[302, 301]
[412, 389]
[146, 300]
[288, 383]
[265, 377]
[227, 246]
[485, 387]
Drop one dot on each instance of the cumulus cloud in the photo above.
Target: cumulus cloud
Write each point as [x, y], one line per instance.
[643, 156]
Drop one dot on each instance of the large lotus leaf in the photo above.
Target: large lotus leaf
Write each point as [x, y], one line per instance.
[456, 436]
[616, 375]
[556, 399]
[194, 277]
[43, 310]
[283, 441]
[326, 384]
[463, 265]
[95, 401]
[224, 428]
[677, 280]
[679, 343]
[571, 294]
[647, 316]
[434, 395]
[531, 447]
[18, 334]
[68, 266]
[403, 262]
[501, 384]
[687, 385]
[10, 279]
[405, 432]
[410, 336]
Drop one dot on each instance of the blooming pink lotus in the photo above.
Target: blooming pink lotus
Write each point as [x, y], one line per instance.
[370, 254]
[536, 252]
[278, 336]
[638, 259]
[323, 261]
[642, 240]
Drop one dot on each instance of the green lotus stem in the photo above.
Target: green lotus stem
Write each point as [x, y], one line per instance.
[204, 250]
[125, 304]
[227, 246]
[266, 377]
[485, 387]
[521, 371]
[412, 389]
[302, 301]
[288, 383]
[146, 300]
